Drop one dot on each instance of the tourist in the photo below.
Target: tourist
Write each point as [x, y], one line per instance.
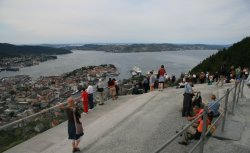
[245, 73]
[187, 100]
[90, 92]
[161, 73]
[100, 89]
[197, 112]
[173, 79]
[202, 77]
[116, 87]
[222, 74]
[232, 72]
[195, 132]
[238, 73]
[213, 106]
[216, 76]
[85, 100]
[145, 85]
[73, 117]
[152, 81]
[111, 86]
[194, 78]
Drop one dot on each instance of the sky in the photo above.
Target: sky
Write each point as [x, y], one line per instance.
[124, 21]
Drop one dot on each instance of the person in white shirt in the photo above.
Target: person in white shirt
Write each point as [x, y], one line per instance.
[100, 89]
[90, 92]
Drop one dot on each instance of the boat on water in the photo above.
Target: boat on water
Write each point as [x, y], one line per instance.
[136, 71]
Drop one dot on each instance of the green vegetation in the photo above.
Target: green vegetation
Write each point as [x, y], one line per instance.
[8, 50]
[237, 55]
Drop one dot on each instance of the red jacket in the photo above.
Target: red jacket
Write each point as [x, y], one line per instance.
[85, 96]
[161, 71]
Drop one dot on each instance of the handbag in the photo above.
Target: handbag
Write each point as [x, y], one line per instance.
[78, 125]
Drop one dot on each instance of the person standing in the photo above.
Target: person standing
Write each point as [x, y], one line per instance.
[116, 87]
[187, 100]
[161, 74]
[100, 89]
[85, 100]
[152, 81]
[90, 92]
[111, 86]
[145, 85]
[73, 116]
[222, 75]
[238, 72]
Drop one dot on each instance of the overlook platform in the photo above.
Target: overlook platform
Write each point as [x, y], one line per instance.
[139, 124]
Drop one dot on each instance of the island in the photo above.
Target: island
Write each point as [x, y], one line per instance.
[13, 57]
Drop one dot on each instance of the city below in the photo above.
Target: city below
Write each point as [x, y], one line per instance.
[21, 96]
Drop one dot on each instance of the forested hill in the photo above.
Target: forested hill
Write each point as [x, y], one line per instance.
[8, 50]
[237, 55]
[124, 48]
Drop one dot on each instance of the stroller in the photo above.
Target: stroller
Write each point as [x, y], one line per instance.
[198, 100]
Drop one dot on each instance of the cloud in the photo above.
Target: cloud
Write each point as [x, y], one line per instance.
[84, 21]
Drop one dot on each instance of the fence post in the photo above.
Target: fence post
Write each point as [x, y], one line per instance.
[225, 111]
[243, 83]
[238, 94]
[234, 98]
[204, 129]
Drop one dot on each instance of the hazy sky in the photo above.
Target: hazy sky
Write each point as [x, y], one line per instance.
[124, 21]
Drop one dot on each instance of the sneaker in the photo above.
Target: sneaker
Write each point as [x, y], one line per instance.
[183, 143]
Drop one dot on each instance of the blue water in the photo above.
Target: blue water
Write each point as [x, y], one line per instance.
[174, 61]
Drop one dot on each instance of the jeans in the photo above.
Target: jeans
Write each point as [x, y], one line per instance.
[91, 103]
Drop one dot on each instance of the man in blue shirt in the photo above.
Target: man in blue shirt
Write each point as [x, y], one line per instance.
[187, 100]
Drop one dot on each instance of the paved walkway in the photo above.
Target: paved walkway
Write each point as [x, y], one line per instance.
[132, 124]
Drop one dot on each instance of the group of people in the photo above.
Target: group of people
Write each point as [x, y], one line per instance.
[223, 75]
[153, 81]
[113, 88]
[73, 112]
[87, 94]
[193, 109]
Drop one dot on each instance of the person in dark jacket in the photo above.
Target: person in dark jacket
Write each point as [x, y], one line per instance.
[72, 111]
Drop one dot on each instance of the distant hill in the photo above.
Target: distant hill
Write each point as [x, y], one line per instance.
[121, 48]
[8, 50]
[237, 55]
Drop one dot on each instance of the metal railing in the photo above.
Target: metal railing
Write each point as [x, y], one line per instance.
[205, 131]
[23, 129]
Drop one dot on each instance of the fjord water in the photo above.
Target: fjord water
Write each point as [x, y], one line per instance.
[174, 61]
